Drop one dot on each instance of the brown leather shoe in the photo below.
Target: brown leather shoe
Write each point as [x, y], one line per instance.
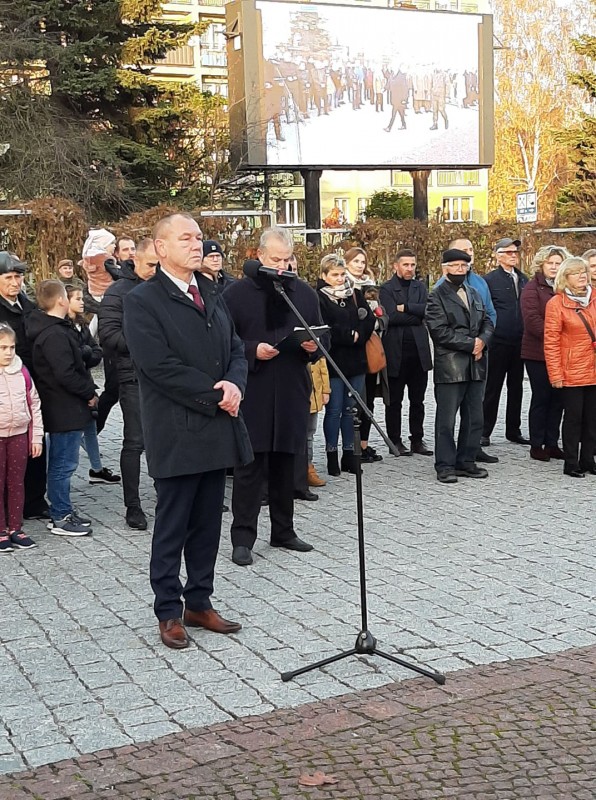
[173, 634]
[210, 620]
[313, 478]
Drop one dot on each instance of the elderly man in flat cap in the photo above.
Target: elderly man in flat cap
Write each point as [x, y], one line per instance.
[505, 284]
[15, 307]
[460, 328]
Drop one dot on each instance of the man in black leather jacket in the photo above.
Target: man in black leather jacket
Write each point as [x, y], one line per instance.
[460, 328]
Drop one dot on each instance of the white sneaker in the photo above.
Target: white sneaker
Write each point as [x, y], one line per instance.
[69, 526]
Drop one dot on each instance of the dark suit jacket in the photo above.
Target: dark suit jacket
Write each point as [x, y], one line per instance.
[453, 329]
[179, 352]
[391, 296]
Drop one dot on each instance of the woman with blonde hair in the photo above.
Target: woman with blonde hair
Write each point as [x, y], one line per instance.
[546, 405]
[570, 352]
[352, 322]
[360, 277]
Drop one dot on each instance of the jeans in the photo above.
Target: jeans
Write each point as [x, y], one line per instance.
[62, 462]
[338, 414]
[132, 443]
[91, 446]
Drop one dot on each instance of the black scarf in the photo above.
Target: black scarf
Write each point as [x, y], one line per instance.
[276, 309]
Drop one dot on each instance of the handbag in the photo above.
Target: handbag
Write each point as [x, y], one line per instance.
[375, 354]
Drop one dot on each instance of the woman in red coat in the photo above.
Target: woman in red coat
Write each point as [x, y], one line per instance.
[570, 351]
[546, 405]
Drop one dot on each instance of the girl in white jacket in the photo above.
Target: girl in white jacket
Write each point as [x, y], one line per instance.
[21, 434]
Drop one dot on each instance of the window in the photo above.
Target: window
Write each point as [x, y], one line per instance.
[290, 212]
[362, 206]
[215, 88]
[458, 177]
[458, 209]
[399, 178]
[343, 203]
[213, 46]
[180, 57]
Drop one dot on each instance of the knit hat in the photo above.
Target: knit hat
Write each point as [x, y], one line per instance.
[210, 246]
[97, 242]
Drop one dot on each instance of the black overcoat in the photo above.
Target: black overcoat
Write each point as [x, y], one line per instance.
[16, 316]
[453, 329]
[179, 352]
[392, 295]
[277, 400]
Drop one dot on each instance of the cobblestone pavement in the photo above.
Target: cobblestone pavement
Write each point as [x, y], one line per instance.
[473, 574]
[502, 732]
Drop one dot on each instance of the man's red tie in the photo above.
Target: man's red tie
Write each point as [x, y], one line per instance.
[196, 297]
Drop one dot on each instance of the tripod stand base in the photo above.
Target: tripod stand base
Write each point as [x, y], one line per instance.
[366, 644]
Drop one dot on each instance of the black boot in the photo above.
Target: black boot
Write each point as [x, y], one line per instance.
[348, 462]
[333, 463]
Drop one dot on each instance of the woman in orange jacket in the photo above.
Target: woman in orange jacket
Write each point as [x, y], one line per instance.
[570, 352]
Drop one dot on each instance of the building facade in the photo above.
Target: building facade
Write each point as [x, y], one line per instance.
[453, 195]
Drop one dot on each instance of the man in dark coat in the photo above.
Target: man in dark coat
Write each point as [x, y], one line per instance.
[15, 307]
[111, 337]
[192, 372]
[399, 91]
[407, 349]
[277, 400]
[505, 283]
[460, 329]
[212, 266]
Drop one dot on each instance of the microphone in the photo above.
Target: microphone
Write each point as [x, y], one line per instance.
[252, 268]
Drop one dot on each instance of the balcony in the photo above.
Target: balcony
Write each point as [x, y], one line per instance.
[180, 57]
[213, 58]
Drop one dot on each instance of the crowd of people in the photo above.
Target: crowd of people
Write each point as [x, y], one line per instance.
[212, 379]
[296, 90]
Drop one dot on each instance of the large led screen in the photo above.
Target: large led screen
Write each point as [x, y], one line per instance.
[345, 86]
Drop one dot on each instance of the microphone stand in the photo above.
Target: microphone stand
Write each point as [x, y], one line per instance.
[366, 644]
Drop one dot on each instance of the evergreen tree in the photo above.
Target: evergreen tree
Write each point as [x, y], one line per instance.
[390, 205]
[81, 111]
[577, 201]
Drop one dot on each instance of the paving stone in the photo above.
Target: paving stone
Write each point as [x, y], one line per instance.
[455, 578]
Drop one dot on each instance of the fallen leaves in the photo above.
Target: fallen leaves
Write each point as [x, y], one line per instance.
[318, 778]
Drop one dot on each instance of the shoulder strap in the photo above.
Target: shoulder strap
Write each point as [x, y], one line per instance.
[587, 326]
[28, 381]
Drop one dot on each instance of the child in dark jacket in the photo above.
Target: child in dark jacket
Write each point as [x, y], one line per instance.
[67, 397]
[92, 355]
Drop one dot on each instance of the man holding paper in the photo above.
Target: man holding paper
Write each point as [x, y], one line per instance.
[276, 403]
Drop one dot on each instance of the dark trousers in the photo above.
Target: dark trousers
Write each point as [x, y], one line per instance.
[504, 361]
[132, 443]
[579, 425]
[546, 407]
[451, 398]
[415, 378]
[109, 396]
[402, 115]
[36, 479]
[370, 393]
[275, 470]
[187, 521]
[13, 462]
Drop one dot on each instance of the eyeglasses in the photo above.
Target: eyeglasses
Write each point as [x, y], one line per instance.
[459, 267]
[508, 252]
